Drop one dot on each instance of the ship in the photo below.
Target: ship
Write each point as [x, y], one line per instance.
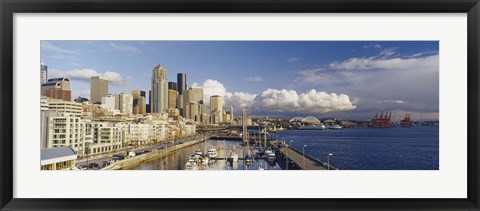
[313, 127]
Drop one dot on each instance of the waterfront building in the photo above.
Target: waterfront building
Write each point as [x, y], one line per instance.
[136, 133]
[192, 111]
[61, 158]
[124, 103]
[216, 109]
[58, 88]
[43, 103]
[139, 102]
[98, 89]
[174, 113]
[64, 129]
[43, 73]
[106, 139]
[173, 86]
[159, 97]
[172, 98]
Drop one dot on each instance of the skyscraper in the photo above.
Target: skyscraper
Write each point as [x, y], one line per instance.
[181, 87]
[172, 98]
[181, 82]
[172, 86]
[98, 89]
[159, 101]
[139, 102]
[192, 95]
[124, 103]
[43, 73]
[216, 109]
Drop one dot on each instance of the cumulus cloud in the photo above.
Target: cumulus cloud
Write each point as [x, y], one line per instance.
[85, 74]
[131, 50]
[253, 79]
[283, 102]
[308, 102]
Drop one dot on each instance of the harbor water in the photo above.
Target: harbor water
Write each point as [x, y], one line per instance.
[415, 148]
[177, 159]
[397, 148]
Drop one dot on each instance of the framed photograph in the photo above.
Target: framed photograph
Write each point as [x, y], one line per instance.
[161, 105]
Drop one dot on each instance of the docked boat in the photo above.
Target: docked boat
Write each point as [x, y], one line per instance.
[233, 157]
[335, 127]
[212, 152]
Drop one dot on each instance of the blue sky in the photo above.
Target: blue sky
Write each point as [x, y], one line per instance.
[344, 79]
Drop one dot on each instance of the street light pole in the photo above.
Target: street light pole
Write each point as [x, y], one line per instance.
[304, 156]
[328, 160]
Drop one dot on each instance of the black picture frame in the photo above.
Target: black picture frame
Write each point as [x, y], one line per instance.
[10, 7]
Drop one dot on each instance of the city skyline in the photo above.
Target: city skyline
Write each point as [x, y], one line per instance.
[349, 80]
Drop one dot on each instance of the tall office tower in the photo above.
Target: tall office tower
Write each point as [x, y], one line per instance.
[124, 103]
[232, 116]
[181, 82]
[58, 88]
[159, 90]
[172, 98]
[173, 86]
[192, 95]
[98, 89]
[216, 109]
[181, 87]
[139, 102]
[43, 73]
[192, 111]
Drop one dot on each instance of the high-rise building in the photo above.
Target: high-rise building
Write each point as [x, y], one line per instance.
[181, 87]
[159, 101]
[43, 73]
[216, 109]
[124, 103]
[98, 89]
[173, 86]
[192, 95]
[139, 102]
[58, 88]
[172, 98]
[181, 82]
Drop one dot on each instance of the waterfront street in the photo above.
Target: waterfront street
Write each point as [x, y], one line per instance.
[99, 159]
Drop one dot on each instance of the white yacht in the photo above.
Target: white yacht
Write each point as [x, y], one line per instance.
[233, 157]
[212, 152]
[335, 127]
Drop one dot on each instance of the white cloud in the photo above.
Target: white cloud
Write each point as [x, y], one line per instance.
[372, 63]
[85, 74]
[309, 102]
[131, 50]
[253, 79]
[48, 46]
[388, 52]
[373, 46]
[280, 101]
[293, 59]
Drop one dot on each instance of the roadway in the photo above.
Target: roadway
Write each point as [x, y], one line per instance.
[158, 146]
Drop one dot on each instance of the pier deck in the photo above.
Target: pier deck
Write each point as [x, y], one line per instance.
[297, 158]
